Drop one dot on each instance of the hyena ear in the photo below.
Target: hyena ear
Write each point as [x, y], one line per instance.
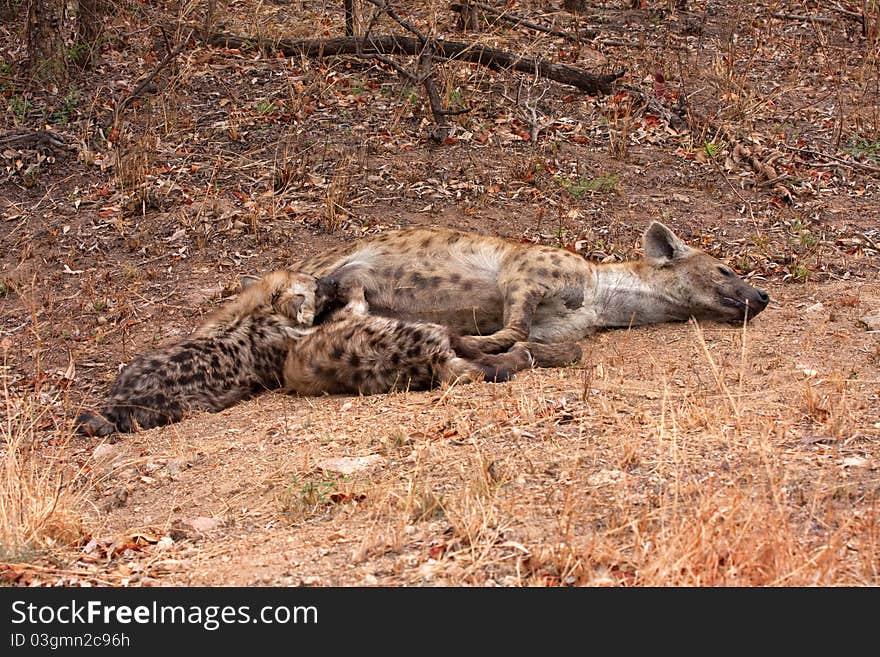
[294, 307]
[301, 309]
[662, 245]
[247, 280]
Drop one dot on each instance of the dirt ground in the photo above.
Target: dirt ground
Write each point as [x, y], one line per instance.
[679, 454]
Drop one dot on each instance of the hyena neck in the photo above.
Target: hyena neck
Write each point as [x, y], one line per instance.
[632, 294]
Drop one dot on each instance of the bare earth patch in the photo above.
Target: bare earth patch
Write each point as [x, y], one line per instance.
[681, 454]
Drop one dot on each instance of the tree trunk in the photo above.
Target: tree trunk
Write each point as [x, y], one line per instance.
[48, 32]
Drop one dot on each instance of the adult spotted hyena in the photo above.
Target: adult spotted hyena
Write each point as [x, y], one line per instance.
[239, 350]
[355, 352]
[501, 292]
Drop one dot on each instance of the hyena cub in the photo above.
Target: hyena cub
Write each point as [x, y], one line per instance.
[353, 352]
[238, 351]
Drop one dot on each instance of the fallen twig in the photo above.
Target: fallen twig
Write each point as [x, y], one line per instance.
[854, 164]
[801, 17]
[513, 19]
[24, 138]
[388, 9]
[145, 81]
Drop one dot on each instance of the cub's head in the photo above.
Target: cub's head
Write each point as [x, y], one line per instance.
[703, 286]
[299, 297]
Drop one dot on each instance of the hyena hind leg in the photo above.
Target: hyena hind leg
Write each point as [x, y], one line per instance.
[556, 354]
[464, 370]
[496, 368]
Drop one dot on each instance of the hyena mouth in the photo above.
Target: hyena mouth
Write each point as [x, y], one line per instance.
[745, 309]
[733, 303]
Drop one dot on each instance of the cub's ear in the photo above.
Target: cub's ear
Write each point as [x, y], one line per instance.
[247, 280]
[293, 307]
[662, 245]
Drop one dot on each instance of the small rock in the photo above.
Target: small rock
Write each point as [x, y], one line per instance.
[855, 462]
[104, 451]
[815, 308]
[204, 524]
[117, 499]
[174, 467]
[871, 320]
[605, 477]
[165, 542]
[350, 464]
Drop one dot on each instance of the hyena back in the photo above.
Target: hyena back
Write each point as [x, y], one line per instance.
[239, 350]
[501, 292]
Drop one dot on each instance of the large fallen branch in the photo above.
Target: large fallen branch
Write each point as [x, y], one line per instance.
[24, 138]
[589, 83]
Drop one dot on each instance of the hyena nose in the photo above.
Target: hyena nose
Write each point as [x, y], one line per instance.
[327, 286]
[757, 301]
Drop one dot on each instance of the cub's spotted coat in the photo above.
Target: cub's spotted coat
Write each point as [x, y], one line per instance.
[236, 352]
[264, 339]
[354, 352]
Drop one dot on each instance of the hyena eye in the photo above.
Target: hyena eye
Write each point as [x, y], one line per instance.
[726, 271]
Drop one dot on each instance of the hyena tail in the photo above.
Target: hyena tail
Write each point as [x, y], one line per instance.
[92, 424]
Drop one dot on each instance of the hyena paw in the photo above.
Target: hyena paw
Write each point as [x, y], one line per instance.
[559, 354]
[91, 424]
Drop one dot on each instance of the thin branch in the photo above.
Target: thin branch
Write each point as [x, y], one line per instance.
[854, 164]
[388, 9]
[143, 83]
[513, 19]
[855, 15]
[802, 17]
[28, 138]
[394, 65]
[349, 17]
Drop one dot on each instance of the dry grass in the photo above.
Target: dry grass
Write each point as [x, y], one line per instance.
[39, 508]
[703, 463]
[678, 455]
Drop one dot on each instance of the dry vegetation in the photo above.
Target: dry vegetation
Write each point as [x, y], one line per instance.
[686, 454]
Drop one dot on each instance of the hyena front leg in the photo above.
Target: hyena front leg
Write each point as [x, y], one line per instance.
[356, 299]
[519, 309]
[523, 355]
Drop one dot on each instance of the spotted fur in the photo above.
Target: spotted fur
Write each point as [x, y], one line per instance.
[498, 292]
[355, 352]
[236, 352]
